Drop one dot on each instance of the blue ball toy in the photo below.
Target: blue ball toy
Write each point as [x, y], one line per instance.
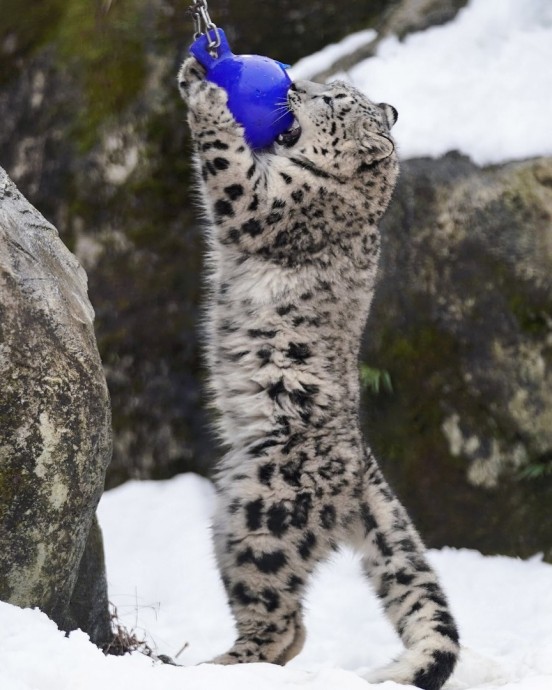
[257, 89]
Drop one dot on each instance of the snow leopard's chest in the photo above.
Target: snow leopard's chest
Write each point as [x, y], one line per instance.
[283, 347]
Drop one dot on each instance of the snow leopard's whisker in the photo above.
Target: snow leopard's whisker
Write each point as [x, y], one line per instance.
[283, 106]
[283, 114]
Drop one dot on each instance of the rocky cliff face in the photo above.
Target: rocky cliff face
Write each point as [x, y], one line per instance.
[462, 323]
[94, 134]
[55, 426]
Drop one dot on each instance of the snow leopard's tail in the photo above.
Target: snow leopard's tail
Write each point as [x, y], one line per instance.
[394, 561]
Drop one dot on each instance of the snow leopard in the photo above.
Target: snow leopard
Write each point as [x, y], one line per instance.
[293, 247]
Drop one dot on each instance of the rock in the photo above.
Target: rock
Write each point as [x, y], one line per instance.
[89, 605]
[462, 323]
[408, 16]
[400, 19]
[55, 425]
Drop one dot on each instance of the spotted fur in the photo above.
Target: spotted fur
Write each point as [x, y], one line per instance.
[293, 251]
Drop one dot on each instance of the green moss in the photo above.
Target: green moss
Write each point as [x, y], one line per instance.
[102, 44]
[418, 361]
[534, 316]
[529, 203]
[24, 29]
[8, 489]
[525, 300]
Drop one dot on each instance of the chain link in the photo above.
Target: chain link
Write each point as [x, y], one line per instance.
[203, 24]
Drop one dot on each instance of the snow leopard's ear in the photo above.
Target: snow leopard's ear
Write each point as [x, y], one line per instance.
[391, 114]
[375, 146]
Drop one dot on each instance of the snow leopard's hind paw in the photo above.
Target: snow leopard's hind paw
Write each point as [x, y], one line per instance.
[428, 671]
[278, 650]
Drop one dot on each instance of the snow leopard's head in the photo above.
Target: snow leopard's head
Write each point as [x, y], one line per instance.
[337, 129]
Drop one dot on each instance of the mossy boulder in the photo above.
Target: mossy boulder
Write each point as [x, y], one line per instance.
[462, 324]
[55, 426]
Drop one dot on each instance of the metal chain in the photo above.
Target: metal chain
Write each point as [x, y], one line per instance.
[203, 24]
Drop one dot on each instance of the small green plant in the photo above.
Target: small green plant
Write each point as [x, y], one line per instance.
[538, 468]
[375, 380]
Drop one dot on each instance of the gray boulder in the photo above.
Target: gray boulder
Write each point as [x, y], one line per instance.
[462, 325]
[55, 426]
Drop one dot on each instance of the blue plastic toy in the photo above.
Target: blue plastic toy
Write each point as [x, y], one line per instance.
[257, 88]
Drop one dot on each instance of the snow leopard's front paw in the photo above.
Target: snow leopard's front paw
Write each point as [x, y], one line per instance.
[190, 77]
[203, 97]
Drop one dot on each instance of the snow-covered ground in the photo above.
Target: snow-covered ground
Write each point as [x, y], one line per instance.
[481, 84]
[165, 585]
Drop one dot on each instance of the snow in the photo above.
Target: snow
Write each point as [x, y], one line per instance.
[480, 84]
[163, 580]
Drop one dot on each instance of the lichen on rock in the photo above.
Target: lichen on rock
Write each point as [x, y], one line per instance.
[55, 421]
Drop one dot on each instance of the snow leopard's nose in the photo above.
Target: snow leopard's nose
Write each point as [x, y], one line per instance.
[295, 87]
[310, 88]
